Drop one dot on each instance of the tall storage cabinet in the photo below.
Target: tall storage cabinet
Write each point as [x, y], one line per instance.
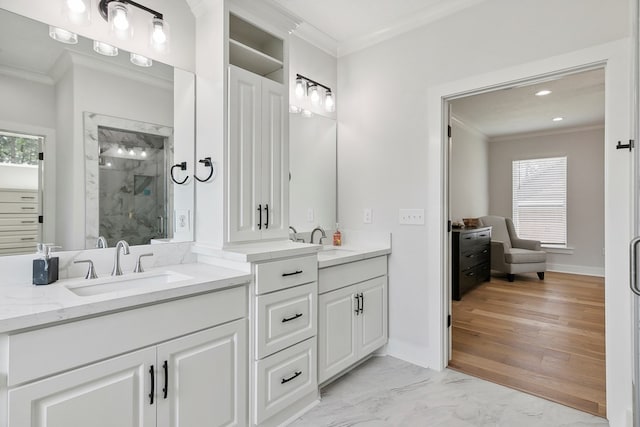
[258, 158]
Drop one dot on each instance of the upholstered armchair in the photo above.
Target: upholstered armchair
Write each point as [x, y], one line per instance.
[509, 253]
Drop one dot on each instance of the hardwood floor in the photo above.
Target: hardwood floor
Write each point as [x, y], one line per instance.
[546, 337]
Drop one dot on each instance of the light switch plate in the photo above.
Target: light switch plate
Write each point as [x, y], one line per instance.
[368, 216]
[411, 216]
[310, 215]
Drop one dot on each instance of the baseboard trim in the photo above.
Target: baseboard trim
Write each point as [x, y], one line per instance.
[576, 269]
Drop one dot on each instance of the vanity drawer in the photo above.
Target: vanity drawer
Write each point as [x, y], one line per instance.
[19, 222]
[285, 318]
[42, 352]
[18, 208]
[18, 197]
[332, 278]
[286, 273]
[285, 377]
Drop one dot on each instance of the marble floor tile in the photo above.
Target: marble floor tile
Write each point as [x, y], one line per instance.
[388, 392]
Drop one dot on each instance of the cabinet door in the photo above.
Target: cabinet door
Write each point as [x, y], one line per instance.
[244, 163]
[205, 378]
[275, 160]
[336, 332]
[373, 319]
[105, 394]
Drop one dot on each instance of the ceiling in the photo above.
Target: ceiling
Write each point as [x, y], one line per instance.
[578, 98]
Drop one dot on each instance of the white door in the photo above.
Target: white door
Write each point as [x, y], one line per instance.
[336, 331]
[275, 161]
[244, 163]
[202, 378]
[373, 317]
[115, 392]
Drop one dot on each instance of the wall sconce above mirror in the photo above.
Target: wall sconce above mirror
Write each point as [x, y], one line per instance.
[316, 92]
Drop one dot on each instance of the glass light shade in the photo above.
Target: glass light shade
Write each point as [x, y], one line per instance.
[78, 11]
[159, 33]
[329, 103]
[299, 91]
[119, 23]
[105, 48]
[314, 94]
[140, 61]
[62, 35]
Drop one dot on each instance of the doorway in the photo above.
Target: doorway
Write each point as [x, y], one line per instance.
[511, 332]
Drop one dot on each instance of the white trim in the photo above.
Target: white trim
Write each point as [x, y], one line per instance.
[26, 75]
[319, 39]
[557, 249]
[548, 132]
[460, 122]
[576, 269]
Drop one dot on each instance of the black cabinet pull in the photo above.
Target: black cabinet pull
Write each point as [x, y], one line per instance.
[266, 209]
[153, 384]
[165, 390]
[260, 217]
[293, 377]
[471, 274]
[357, 297]
[361, 302]
[292, 274]
[289, 319]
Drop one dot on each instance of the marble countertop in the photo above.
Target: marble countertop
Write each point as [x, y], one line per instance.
[260, 251]
[26, 306]
[336, 255]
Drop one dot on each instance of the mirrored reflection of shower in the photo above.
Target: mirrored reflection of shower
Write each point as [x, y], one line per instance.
[133, 186]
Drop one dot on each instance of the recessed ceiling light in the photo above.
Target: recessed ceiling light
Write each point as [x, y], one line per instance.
[558, 119]
[543, 92]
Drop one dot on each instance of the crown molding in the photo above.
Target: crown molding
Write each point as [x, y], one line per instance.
[548, 132]
[416, 20]
[319, 39]
[458, 120]
[21, 74]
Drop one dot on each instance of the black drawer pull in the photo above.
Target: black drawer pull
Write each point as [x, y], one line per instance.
[468, 237]
[483, 235]
[260, 218]
[292, 274]
[153, 384]
[27, 208]
[293, 377]
[28, 238]
[289, 319]
[27, 222]
[266, 209]
[165, 390]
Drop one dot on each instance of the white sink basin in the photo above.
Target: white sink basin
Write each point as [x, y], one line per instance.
[123, 283]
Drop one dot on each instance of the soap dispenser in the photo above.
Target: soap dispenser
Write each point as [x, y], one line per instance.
[337, 236]
[45, 268]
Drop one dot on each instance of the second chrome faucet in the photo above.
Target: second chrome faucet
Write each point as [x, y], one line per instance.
[120, 246]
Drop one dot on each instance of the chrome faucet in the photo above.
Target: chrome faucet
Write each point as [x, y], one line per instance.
[102, 242]
[295, 232]
[117, 271]
[324, 235]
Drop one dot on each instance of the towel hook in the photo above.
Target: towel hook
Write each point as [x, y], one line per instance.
[208, 163]
[183, 167]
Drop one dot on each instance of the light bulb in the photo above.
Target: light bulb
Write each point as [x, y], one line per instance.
[118, 17]
[105, 48]
[299, 88]
[314, 95]
[132, 153]
[329, 103]
[76, 6]
[77, 11]
[144, 153]
[558, 119]
[108, 164]
[62, 35]
[120, 150]
[158, 35]
[543, 92]
[120, 20]
[140, 61]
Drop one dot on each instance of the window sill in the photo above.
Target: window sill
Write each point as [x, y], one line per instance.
[558, 249]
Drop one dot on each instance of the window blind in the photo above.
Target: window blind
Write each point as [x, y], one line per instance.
[540, 199]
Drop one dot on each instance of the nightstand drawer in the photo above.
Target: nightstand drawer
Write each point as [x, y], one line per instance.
[284, 378]
[285, 318]
[286, 273]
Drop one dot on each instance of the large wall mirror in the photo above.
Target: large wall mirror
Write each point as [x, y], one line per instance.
[109, 132]
[312, 160]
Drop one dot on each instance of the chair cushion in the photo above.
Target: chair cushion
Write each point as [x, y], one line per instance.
[523, 256]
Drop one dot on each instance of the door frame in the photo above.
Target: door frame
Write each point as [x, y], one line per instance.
[615, 58]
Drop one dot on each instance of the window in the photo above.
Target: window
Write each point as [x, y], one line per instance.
[540, 199]
[18, 149]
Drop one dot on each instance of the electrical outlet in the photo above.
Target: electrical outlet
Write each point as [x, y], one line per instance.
[310, 215]
[182, 221]
[411, 216]
[368, 216]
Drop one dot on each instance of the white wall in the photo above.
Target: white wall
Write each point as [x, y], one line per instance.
[26, 101]
[468, 172]
[23, 177]
[390, 147]
[176, 12]
[585, 190]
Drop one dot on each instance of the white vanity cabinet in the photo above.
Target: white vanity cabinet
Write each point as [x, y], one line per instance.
[284, 362]
[352, 314]
[141, 367]
[258, 161]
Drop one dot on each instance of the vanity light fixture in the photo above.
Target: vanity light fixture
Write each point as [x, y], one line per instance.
[140, 61]
[62, 35]
[144, 153]
[105, 48]
[543, 92]
[311, 88]
[78, 11]
[131, 152]
[118, 14]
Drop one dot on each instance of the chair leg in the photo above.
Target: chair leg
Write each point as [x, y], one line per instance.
[511, 277]
[541, 275]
